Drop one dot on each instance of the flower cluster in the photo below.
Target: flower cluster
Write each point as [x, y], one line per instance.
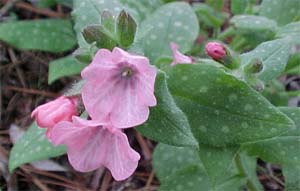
[117, 93]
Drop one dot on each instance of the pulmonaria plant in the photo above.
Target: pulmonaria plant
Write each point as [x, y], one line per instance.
[217, 106]
[117, 93]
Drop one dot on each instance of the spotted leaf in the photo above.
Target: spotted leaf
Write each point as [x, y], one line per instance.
[31, 147]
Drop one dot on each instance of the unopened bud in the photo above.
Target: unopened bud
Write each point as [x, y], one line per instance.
[96, 33]
[254, 66]
[126, 29]
[222, 54]
[215, 50]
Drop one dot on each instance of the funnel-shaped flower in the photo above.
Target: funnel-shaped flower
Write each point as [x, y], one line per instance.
[178, 57]
[91, 145]
[49, 114]
[119, 88]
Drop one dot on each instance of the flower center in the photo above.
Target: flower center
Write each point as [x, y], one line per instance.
[127, 72]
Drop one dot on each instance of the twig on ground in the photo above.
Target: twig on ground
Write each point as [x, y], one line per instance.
[144, 146]
[150, 179]
[31, 91]
[106, 181]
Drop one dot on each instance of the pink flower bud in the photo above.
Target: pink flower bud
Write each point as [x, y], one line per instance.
[215, 50]
[60, 109]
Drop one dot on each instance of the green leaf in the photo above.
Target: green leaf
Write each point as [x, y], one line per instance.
[167, 123]
[275, 92]
[208, 15]
[168, 159]
[221, 109]
[126, 28]
[293, 66]
[191, 178]
[173, 22]
[293, 113]
[272, 8]
[62, 67]
[292, 31]
[292, 177]
[252, 23]
[274, 55]
[50, 35]
[249, 169]
[282, 150]
[217, 161]
[216, 4]
[142, 7]
[179, 168]
[238, 6]
[31, 147]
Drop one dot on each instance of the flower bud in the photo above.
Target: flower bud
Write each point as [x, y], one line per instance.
[60, 109]
[222, 54]
[215, 50]
[254, 66]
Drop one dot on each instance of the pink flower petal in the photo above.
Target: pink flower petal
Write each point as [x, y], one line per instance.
[178, 57]
[91, 146]
[122, 160]
[112, 95]
[51, 113]
[128, 110]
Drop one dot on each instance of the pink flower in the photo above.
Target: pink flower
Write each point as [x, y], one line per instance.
[215, 50]
[178, 57]
[91, 145]
[119, 88]
[49, 114]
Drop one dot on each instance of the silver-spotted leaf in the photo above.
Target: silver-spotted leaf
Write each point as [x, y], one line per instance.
[167, 123]
[221, 109]
[51, 35]
[31, 147]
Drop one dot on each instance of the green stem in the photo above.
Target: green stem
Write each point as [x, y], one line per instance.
[250, 185]
[295, 93]
[226, 33]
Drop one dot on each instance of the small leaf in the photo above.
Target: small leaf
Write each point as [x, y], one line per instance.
[221, 109]
[292, 31]
[62, 67]
[249, 167]
[126, 28]
[272, 8]
[208, 15]
[31, 147]
[274, 55]
[252, 23]
[293, 66]
[50, 35]
[238, 6]
[167, 123]
[173, 22]
[275, 92]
